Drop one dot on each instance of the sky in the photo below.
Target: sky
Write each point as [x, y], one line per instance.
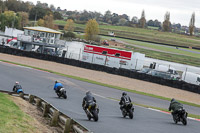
[180, 10]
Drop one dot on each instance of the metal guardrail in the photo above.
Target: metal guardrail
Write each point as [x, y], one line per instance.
[57, 118]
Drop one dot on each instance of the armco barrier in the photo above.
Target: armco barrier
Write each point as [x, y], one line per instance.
[123, 72]
[56, 118]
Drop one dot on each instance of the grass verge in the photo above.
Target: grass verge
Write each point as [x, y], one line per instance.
[162, 109]
[176, 55]
[142, 34]
[102, 84]
[13, 120]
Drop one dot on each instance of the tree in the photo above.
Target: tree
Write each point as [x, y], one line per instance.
[52, 7]
[134, 20]
[2, 6]
[37, 13]
[92, 30]
[9, 19]
[192, 24]
[57, 15]
[69, 25]
[69, 35]
[167, 23]
[23, 16]
[107, 16]
[40, 22]
[48, 21]
[157, 23]
[150, 23]
[142, 22]
[122, 21]
[18, 5]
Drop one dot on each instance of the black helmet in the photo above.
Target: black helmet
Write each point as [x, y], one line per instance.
[88, 93]
[56, 81]
[124, 94]
[172, 100]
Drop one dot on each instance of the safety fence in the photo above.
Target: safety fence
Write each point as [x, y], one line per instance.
[123, 72]
[56, 118]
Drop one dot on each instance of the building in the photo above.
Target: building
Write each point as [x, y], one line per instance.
[39, 38]
[42, 34]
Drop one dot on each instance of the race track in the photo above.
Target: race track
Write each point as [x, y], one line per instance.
[110, 119]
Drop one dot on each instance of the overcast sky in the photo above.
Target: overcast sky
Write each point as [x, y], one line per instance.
[180, 10]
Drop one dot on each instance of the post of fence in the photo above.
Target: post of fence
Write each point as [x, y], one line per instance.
[54, 120]
[31, 98]
[46, 109]
[136, 64]
[68, 125]
[185, 73]
[66, 51]
[79, 54]
[38, 102]
[92, 57]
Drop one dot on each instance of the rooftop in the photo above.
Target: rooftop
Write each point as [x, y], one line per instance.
[43, 29]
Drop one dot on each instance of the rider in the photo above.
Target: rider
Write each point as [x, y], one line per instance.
[17, 86]
[125, 99]
[88, 99]
[57, 86]
[175, 106]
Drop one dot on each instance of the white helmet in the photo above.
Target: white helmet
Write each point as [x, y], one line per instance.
[16, 82]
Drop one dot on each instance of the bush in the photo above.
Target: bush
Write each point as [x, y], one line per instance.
[69, 35]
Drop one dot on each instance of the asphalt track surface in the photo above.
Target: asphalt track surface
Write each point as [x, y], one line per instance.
[110, 119]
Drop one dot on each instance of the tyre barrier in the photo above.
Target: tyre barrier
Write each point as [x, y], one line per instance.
[56, 118]
[123, 72]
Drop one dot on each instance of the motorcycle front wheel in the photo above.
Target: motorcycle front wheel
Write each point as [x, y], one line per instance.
[184, 121]
[21, 94]
[130, 114]
[64, 96]
[95, 116]
[175, 119]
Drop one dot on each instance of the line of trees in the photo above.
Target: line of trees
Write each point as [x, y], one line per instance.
[16, 14]
[45, 14]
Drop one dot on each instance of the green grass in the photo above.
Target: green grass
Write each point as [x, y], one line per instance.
[153, 28]
[144, 34]
[60, 22]
[162, 109]
[185, 57]
[12, 119]
[102, 84]
[160, 47]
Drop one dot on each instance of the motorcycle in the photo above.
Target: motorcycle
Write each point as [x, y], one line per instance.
[128, 110]
[180, 116]
[20, 92]
[62, 93]
[92, 111]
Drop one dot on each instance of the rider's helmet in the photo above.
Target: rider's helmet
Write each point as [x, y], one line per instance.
[172, 100]
[16, 83]
[56, 81]
[124, 94]
[88, 93]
